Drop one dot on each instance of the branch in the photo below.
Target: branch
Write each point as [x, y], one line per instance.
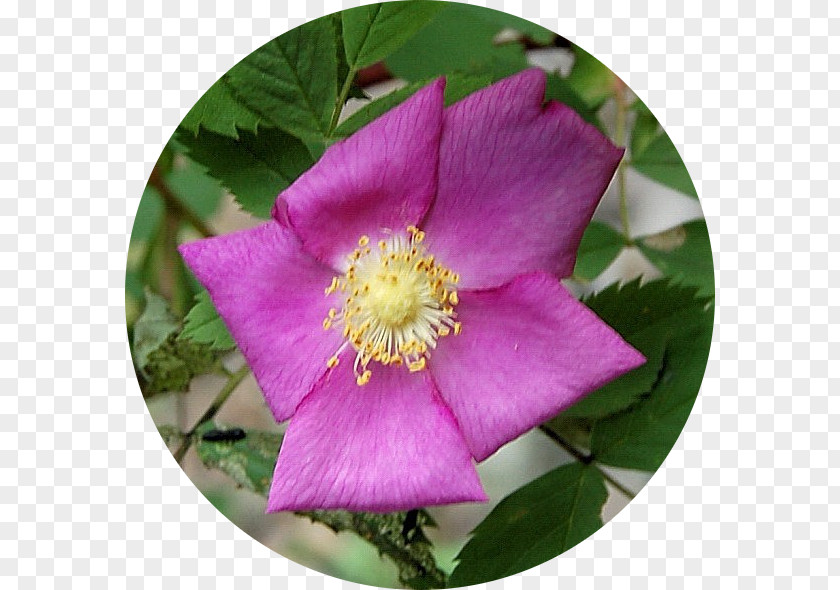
[249, 460]
[174, 204]
[233, 381]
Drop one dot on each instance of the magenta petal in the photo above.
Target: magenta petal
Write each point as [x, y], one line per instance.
[389, 445]
[270, 294]
[527, 351]
[382, 177]
[518, 183]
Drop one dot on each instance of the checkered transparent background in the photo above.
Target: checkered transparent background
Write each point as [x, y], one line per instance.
[88, 96]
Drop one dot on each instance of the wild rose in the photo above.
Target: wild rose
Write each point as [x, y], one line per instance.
[404, 309]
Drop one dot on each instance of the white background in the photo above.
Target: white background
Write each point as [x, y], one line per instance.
[90, 93]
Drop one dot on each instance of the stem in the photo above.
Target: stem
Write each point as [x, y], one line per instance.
[233, 381]
[620, 139]
[175, 205]
[341, 99]
[585, 459]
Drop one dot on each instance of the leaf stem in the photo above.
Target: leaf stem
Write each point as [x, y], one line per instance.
[585, 459]
[175, 205]
[341, 99]
[620, 139]
[232, 383]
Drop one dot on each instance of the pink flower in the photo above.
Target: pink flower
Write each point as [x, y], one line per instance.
[438, 235]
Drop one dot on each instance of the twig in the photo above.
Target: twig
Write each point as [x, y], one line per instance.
[233, 381]
[620, 139]
[585, 459]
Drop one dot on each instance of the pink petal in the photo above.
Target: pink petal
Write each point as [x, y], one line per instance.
[527, 350]
[270, 294]
[382, 177]
[389, 445]
[518, 183]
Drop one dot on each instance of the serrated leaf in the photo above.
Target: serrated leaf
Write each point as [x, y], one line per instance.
[661, 161]
[590, 79]
[194, 189]
[372, 32]
[645, 324]
[537, 522]
[152, 328]
[204, 325]
[559, 89]
[255, 168]
[290, 82]
[250, 460]
[457, 87]
[460, 39]
[684, 255]
[598, 248]
[166, 363]
[654, 317]
[623, 392]
[221, 111]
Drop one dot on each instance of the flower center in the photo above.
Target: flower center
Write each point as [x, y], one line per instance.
[397, 302]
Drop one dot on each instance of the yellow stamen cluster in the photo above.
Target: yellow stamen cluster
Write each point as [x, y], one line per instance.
[397, 301]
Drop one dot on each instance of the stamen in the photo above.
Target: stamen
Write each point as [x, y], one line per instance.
[398, 300]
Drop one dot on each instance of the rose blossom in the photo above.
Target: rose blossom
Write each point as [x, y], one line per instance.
[403, 308]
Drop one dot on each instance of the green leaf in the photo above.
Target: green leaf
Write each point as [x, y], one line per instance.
[375, 109]
[152, 328]
[559, 89]
[460, 39]
[457, 87]
[290, 82]
[684, 255]
[623, 392]
[661, 161]
[374, 31]
[536, 33]
[645, 129]
[534, 524]
[194, 189]
[250, 461]
[204, 325]
[343, 70]
[460, 86]
[220, 110]
[666, 323]
[598, 248]
[255, 168]
[621, 308]
[166, 363]
[592, 80]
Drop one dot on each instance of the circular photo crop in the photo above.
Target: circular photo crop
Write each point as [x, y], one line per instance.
[420, 294]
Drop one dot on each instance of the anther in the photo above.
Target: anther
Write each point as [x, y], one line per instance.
[364, 378]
